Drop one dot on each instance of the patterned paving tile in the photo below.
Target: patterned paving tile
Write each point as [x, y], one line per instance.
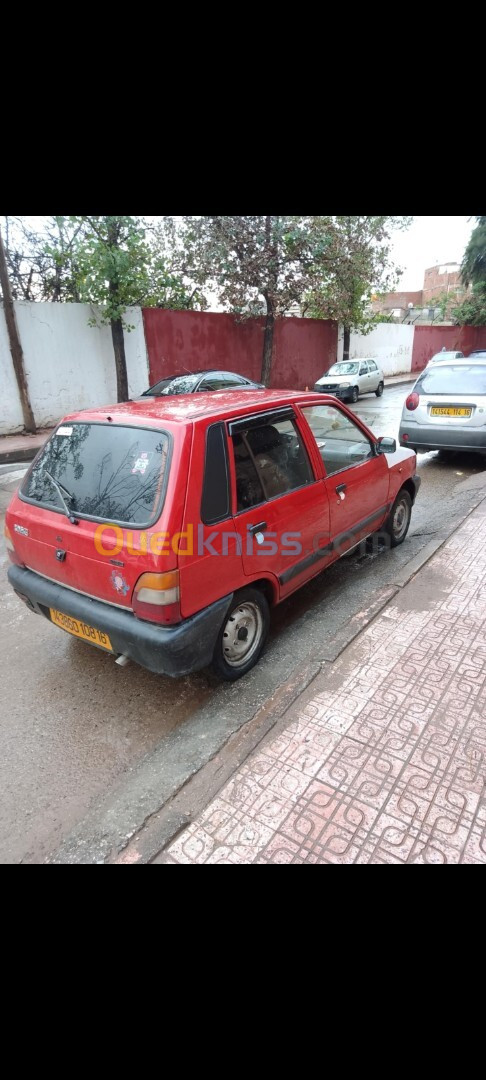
[386, 763]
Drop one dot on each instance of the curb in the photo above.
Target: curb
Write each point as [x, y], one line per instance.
[34, 443]
[12, 457]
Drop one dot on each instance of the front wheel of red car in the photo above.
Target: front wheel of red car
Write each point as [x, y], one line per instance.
[398, 521]
[242, 635]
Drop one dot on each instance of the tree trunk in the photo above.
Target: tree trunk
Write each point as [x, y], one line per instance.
[15, 344]
[346, 342]
[120, 359]
[268, 347]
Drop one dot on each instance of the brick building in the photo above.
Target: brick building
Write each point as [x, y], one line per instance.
[439, 281]
[442, 279]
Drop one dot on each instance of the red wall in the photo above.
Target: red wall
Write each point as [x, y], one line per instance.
[428, 340]
[179, 341]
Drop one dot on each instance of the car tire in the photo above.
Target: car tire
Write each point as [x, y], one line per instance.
[398, 521]
[379, 389]
[354, 394]
[235, 652]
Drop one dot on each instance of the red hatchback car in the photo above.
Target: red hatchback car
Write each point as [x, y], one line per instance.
[163, 530]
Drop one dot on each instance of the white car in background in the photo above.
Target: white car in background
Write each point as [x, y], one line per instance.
[445, 355]
[348, 379]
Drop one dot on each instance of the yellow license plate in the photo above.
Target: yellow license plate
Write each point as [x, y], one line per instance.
[449, 411]
[80, 629]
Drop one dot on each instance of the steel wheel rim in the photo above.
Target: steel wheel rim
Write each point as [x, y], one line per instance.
[400, 519]
[242, 634]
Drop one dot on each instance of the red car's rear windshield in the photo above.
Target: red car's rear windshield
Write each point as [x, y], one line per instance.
[105, 471]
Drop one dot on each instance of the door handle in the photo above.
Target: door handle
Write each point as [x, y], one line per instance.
[340, 488]
[252, 529]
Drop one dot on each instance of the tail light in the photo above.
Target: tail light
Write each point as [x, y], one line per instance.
[156, 598]
[10, 547]
[412, 401]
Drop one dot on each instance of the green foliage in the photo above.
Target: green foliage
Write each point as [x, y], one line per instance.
[472, 311]
[473, 267]
[247, 260]
[41, 260]
[330, 266]
[115, 262]
[117, 268]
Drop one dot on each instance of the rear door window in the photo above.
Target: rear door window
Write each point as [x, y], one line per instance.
[270, 460]
[108, 472]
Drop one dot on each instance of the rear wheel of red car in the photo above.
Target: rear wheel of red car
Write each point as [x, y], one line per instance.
[398, 521]
[242, 635]
[354, 394]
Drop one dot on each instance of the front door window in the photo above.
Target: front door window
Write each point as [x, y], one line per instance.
[357, 477]
[341, 442]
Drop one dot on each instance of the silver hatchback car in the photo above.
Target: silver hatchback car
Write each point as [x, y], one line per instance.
[347, 379]
[446, 409]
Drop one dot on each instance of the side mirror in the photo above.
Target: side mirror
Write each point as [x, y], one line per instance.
[386, 445]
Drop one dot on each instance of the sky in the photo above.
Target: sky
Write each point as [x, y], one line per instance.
[427, 242]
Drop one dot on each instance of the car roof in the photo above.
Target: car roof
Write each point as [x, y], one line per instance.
[460, 361]
[184, 408]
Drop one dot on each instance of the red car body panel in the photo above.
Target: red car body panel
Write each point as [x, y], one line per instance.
[327, 523]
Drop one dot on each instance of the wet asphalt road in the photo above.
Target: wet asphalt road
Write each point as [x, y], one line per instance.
[73, 723]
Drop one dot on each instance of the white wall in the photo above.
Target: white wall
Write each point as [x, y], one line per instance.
[390, 344]
[10, 408]
[69, 365]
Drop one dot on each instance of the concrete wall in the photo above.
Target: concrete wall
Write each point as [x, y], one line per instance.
[10, 410]
[69, 365]
[389, 344]
[179, 341]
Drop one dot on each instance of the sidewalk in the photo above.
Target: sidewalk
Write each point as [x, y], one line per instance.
[408, 377]
[21, 447]
[383, 758]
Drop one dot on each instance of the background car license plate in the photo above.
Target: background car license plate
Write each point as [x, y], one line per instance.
[449, 411]
[81, 629]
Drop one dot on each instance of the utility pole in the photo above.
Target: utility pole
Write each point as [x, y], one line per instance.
[15, 345]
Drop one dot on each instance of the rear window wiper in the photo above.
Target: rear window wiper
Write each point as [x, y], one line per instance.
[60, 489]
